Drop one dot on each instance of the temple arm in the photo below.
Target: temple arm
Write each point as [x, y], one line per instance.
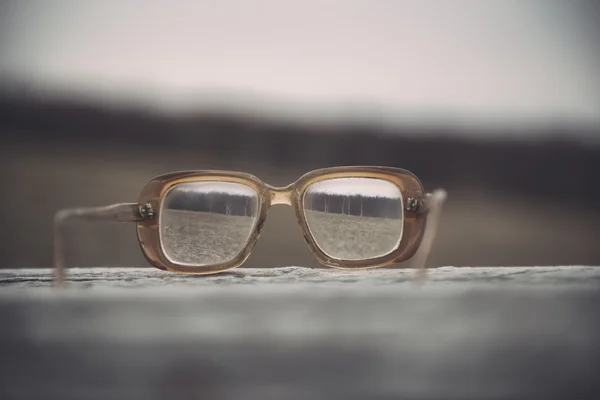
[433, 208]
[124, 212]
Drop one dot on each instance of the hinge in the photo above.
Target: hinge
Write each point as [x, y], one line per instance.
[146, 211]
[413, 205]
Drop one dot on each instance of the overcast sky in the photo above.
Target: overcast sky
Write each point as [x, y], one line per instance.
[356, 186]
[521, 60]
[221, 187]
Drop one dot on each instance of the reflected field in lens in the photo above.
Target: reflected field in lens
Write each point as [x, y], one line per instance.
[355, 238]
[354, 218]
[204, 238]
[207, 223]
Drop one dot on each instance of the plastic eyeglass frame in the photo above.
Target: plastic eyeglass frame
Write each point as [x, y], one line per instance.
[421, 209]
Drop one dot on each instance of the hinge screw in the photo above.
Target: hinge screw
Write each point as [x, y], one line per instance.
[146, 211]
[413, 204]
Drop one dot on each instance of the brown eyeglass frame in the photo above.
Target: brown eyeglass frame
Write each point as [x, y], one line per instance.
[420, 209]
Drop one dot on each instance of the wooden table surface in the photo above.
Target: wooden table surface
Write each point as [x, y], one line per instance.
[299, 333]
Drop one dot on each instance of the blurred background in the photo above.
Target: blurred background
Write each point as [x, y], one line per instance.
[498, 102]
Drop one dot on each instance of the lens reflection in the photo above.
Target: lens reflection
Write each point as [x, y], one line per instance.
[205, 223]
[354, 218]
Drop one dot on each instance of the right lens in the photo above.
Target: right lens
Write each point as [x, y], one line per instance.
[354, 218]
[207, 223]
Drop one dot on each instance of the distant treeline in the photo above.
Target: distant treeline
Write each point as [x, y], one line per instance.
[240, 205]
[375, 206]
[213, 202]
[556, 168]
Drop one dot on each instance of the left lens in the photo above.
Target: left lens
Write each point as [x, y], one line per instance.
[354, 218]
[207, 223]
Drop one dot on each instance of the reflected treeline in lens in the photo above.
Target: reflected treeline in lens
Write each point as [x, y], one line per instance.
[356, 204]
[207, 223]
[354, 218]
[213, 202]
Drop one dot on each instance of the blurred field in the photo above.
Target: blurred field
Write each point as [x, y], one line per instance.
[511, 202]
[203, 238]
[354, 237]
[478, 228]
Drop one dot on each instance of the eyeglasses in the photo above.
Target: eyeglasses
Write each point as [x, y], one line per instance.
[205, 222]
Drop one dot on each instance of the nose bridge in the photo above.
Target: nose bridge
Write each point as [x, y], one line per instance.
[281, 194]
